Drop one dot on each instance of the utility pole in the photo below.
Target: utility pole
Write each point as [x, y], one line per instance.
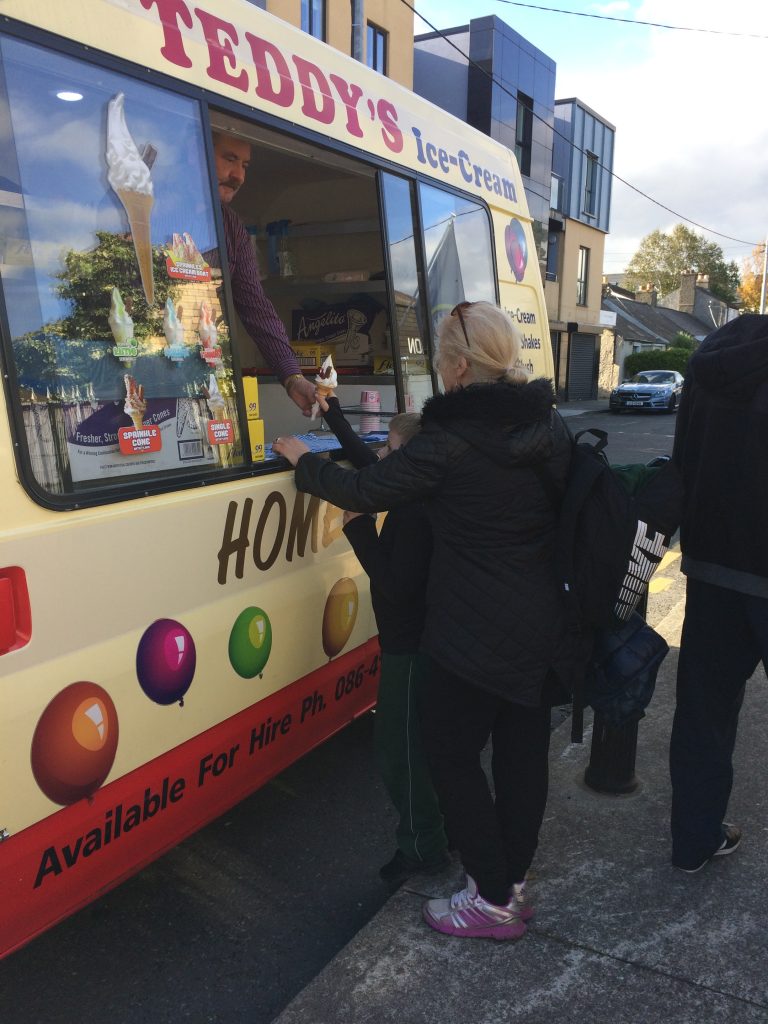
[765, 269]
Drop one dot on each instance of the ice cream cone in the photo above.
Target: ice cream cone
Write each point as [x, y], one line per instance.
[322, 391]
[138, 422]
[138, 206]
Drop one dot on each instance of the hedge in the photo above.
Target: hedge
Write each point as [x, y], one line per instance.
[657, 359]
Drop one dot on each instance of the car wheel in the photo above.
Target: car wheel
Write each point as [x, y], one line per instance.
[672, 404]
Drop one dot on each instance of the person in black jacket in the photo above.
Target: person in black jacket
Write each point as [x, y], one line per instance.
[397, 562]
[721, 448]
[494, 630]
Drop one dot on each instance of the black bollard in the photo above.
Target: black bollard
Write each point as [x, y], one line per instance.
[611, 767]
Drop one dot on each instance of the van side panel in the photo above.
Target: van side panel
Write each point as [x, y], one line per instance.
[64, 861]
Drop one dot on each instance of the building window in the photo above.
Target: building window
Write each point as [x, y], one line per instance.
[376, 48]
[553, 253]
[313, 17]
[556, 194]
[582, 276]
[524, 132]
[590, 185]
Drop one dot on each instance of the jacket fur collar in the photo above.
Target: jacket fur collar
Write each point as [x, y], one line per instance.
[499, 403]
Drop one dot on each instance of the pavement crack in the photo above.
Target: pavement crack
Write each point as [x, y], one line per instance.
[534, 931]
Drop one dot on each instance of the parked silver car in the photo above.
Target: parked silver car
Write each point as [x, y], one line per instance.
[649, 389]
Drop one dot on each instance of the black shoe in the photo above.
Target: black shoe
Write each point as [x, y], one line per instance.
[731, 840]
[401, 867]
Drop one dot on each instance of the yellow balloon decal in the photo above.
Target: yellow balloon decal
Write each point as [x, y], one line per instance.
[339, 616]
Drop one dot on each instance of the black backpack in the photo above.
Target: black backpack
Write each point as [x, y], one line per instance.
[615, 524]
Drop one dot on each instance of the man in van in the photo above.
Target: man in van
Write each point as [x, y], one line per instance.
[232, 157]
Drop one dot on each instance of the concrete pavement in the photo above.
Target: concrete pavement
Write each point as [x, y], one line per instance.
[619, 937]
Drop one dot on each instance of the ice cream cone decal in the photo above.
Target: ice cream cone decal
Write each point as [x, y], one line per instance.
[206, 326]
[130, 178]
[135, 403]
[121, 325]
[173, 329]
[217, 407]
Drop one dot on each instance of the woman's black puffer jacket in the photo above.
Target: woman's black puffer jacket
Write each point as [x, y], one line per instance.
[494, 615]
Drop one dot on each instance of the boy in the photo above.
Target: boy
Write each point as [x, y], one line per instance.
[397, 563]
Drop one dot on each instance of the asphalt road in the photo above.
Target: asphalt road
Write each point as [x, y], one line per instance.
[229, 926]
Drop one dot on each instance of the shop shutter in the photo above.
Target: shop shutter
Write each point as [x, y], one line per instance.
[582, 368]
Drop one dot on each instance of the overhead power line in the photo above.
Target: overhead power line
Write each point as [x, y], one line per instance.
[570, 142]
[633, 21]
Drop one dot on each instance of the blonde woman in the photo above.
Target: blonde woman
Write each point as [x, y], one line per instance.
[494, 632]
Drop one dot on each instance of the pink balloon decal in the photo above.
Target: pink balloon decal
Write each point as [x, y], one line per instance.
[517, 249]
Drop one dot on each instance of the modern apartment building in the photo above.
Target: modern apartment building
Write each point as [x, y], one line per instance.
[489, 75]
[498, 82]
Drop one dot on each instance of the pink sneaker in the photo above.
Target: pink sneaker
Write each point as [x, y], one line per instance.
[519, 897]
[466, 913]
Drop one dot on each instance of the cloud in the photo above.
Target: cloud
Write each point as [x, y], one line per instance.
[687, 114]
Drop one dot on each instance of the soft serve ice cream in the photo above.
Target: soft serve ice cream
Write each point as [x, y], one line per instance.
[130, 178]
[326, 382]
[327, 379]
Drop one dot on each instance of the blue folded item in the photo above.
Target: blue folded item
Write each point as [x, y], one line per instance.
[621, 674]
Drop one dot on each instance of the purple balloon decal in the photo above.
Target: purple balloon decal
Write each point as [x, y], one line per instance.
[165, 661]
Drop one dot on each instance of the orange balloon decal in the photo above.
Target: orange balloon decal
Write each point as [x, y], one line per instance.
[339, 616]
[75, 741]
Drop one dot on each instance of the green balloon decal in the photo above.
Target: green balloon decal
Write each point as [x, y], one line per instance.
[250, 642]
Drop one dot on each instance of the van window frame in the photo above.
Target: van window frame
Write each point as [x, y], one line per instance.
[131, 488]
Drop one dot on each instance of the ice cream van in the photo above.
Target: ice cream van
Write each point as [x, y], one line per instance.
[177, 624]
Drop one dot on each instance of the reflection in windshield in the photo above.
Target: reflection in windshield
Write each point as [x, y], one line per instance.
[653, 378]
[457, 251]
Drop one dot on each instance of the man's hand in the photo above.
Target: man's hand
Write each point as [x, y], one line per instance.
[290, 448]
[302, 392]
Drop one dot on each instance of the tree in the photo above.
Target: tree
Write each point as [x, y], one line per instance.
[683, 340]
[662, 258]
[87, 282]
[59, 357]
[751, 287]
